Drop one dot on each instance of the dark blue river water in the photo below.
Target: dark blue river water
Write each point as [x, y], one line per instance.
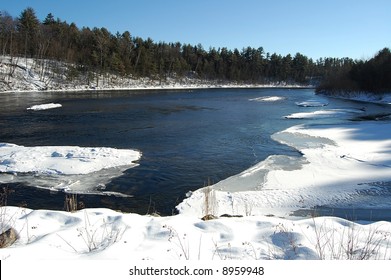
[187, 137]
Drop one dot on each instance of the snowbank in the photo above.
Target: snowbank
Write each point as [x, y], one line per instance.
[102, 234]
[383, 98]
[44, 107]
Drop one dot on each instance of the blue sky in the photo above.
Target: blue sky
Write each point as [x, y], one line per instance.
[335, 28]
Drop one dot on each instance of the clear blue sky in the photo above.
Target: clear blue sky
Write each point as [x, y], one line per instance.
[336, 28]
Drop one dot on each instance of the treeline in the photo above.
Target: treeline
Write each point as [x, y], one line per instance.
[372, 76]
[99, 51]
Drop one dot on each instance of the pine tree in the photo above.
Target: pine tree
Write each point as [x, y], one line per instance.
[28, 26]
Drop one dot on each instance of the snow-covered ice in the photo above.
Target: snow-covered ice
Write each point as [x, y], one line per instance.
[323, 113]
[44, 107]
[267, 98]
[65, 168]
[312, 103]
[67, 160]
[338, 163]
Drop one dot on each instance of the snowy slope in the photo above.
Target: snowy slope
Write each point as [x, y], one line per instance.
[37, 75]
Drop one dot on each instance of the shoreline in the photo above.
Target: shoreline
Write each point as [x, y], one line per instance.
[382, 98]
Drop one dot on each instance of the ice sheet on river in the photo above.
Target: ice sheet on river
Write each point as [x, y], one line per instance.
[339, 164]
[64, 167]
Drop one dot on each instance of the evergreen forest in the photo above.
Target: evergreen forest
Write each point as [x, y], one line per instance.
[372, 76]
[98, 50]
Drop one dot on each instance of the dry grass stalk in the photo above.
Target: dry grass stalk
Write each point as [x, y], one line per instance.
[209, 200]
[352, 243]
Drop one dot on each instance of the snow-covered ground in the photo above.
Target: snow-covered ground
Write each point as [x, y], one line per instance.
[96, 234]
[338, 163]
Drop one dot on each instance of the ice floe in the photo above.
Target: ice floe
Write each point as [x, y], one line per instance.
[312, 103]
[68, 168]
[323, 113]
[44, 107]
[267, 98]
[67, 160]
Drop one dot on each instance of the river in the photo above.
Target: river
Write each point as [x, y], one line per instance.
[187, 137]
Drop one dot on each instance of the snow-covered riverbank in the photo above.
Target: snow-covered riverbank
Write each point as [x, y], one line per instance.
[384, 98]
[29, 75]
[103, 234]
[338, 163]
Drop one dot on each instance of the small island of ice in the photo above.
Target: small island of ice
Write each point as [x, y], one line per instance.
[44, 107]
[323, 114]
[65, 168]
[267, 98]
[312, 103]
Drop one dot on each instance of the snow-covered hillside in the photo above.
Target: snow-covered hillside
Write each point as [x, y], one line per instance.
[20, 74]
